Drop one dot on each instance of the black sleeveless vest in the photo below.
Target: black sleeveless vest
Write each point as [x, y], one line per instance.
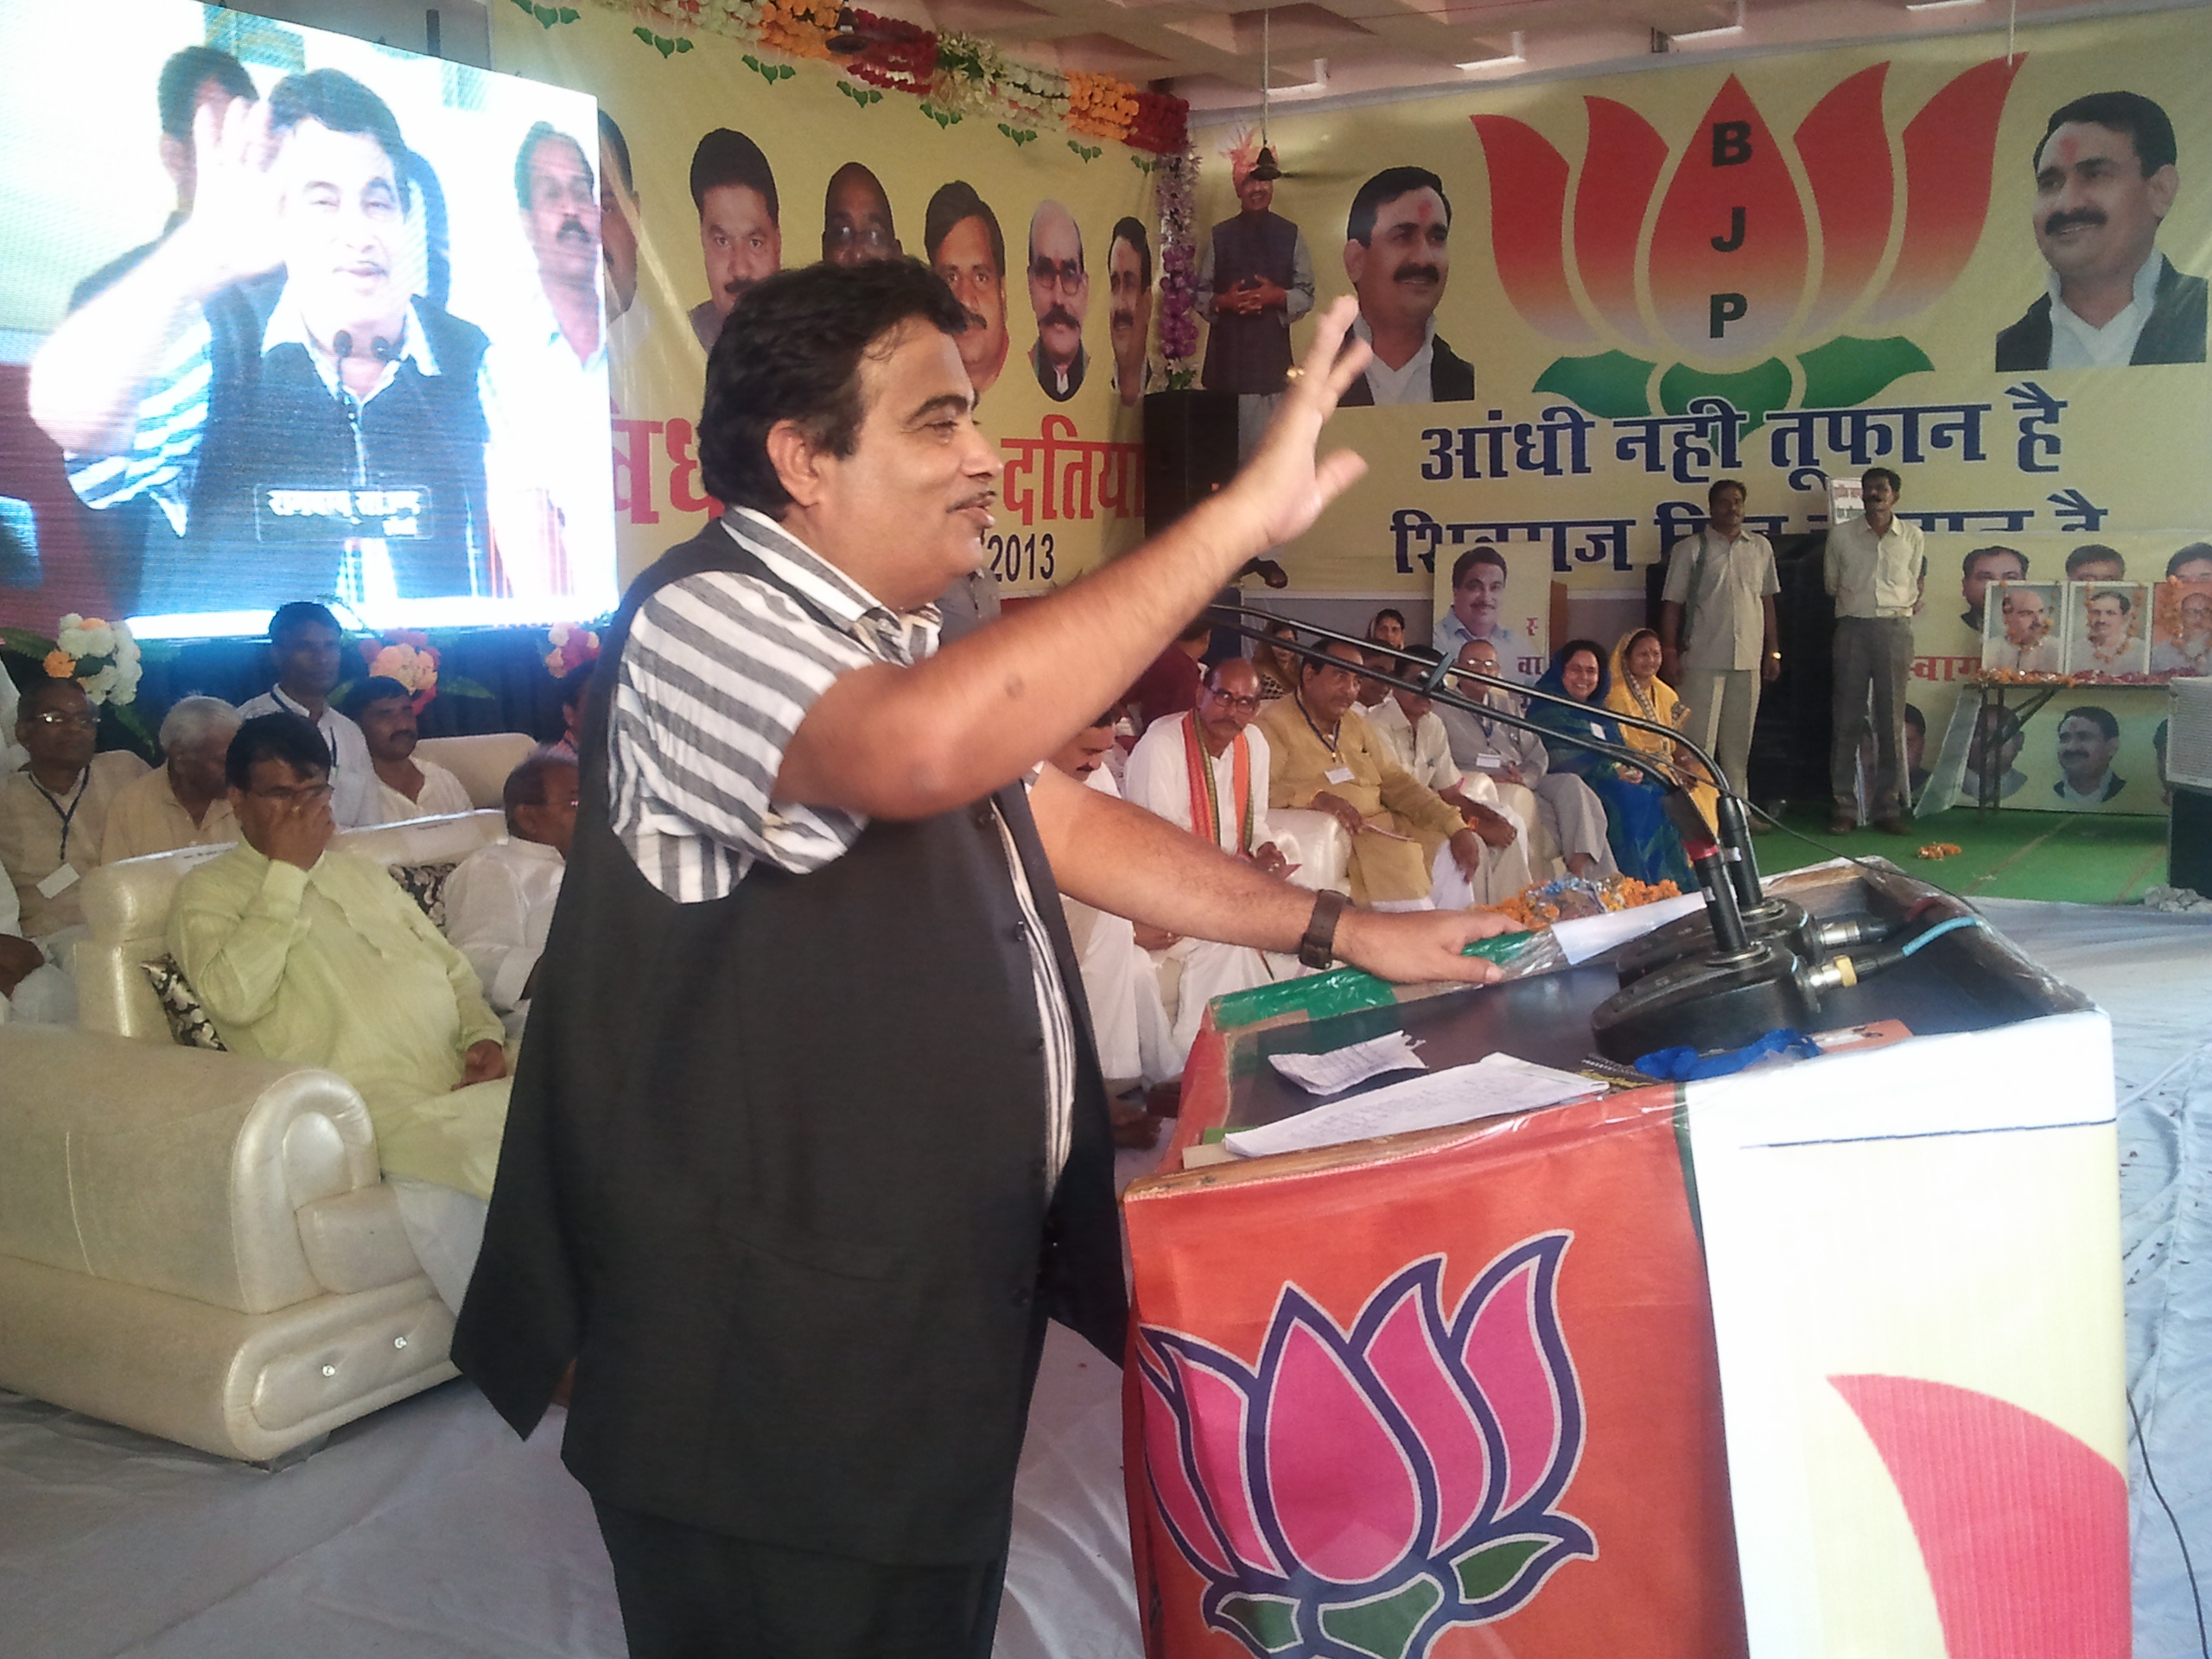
[1249, 355]
[272, 423]
[774, 1174]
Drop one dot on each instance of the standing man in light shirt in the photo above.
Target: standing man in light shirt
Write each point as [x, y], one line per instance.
[1718, 639]
[186, 802]
[1205, 770]
[304, 639]
[1875, 569]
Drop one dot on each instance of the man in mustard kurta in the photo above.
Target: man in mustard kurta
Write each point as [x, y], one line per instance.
[299, 952]
[1326, 758]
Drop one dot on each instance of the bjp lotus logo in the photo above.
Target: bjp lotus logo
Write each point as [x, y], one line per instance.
[1741, 261]
[1358, 1492]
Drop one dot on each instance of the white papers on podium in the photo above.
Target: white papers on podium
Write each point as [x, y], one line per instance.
[1340, 1068]
[1585, 937]
[1492, 1087]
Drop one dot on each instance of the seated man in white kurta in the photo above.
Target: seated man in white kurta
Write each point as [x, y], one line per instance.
[1121, 984]
[1206, 771]
[301, 952]
[1409, 728]
[499, 900]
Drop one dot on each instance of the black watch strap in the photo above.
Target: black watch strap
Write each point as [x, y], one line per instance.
[1317, 949]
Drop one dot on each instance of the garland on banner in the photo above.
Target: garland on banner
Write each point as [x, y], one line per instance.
[955, 74]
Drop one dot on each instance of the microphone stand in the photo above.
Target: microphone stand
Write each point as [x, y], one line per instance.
[1716, 981]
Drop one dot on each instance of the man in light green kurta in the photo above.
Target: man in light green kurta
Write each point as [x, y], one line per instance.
[1324, 756]
[303, 953]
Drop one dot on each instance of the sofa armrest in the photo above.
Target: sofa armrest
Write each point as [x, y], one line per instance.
[205, 1175]
[1324, 850]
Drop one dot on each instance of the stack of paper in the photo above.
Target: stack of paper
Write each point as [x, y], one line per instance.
[1491, 1087]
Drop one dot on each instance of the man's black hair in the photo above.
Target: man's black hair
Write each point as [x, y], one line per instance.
[792, 351]
[525, 785]
[2194, 550]
[1914, 719]
[576, 684]
[1131, 230]
[726, 157]
[1480, 553]
[1896, 484]
[1712, 490]
[2102, 719]
[2127, 604]
[610, 135]
[281, 736]
[952, 203]
[33, 689]
[1375, 621]
[1329, 660]
[178, 91]
[2145, 125]
[1386, 187]
[377, 688]
[2091, 553]
[539, 132]
[297, 613]
[1428, 654]
[1966, 565]
[343, 104]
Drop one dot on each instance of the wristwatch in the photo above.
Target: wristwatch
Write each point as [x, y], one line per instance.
[1317, 949]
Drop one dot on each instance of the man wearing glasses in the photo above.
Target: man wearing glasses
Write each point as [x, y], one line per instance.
[303, 953]
[54, 809]
[1059, 294]
[857, 223]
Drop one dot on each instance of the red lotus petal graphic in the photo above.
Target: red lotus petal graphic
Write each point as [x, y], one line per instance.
[2023, 1528]
[1948, 147]
[1343, 1492]
[1405, 1362]
[1218, 1424]
[1620, 172]
[1171, 1484]
[1846, 151]
[1733, 189]
[1508, 1365]
[1528, 217]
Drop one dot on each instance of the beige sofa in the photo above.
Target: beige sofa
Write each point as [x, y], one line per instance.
[196, 1244]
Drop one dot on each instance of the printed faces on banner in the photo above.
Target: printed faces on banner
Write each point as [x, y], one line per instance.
[1827, 261]
[364, 358]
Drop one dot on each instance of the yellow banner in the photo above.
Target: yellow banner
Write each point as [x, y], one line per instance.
[857, 172]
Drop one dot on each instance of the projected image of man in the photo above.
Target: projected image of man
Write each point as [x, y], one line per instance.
[2105, 178]
[265, 376]
[964, 246]
[1477, 595]
[857, 223]
[1059, 295]
[741, 233]
[1129, 315]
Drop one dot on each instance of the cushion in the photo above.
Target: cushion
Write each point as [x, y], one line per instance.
[426, 885]
[188, 1021]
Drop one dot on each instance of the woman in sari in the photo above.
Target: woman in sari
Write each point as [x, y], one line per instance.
[1638, 692]
[1278, 670]
[1643, 843]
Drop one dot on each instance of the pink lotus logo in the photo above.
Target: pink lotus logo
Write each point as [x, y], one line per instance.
[1726, 264]
[1361, 1492]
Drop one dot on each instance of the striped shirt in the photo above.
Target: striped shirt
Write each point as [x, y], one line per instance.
[718, 671]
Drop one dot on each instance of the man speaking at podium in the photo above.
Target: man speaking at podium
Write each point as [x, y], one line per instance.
[809, 1138]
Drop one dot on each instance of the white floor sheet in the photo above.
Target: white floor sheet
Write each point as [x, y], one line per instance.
[427, 1531]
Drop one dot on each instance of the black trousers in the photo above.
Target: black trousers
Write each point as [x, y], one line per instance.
[688, 1593]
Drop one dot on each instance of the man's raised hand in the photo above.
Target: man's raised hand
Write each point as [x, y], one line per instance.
[232, 232]
[1281, 491]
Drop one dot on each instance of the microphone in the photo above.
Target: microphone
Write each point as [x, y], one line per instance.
[341, 348]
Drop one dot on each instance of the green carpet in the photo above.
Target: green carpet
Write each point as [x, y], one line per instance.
[2085, 858]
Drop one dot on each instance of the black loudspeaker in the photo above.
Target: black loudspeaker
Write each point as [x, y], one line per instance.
[2188, 840]
[1190, 451]
[1790, 743]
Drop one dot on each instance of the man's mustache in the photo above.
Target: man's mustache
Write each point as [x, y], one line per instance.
[1418, 274]
[2059, 223]
[575, 227]
[1060, 317]
[1122, 316]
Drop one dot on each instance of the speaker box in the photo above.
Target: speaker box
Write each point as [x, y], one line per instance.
[2188, 840]
[1190, 451]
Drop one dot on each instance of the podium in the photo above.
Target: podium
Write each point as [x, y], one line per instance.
[1822, 1359]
